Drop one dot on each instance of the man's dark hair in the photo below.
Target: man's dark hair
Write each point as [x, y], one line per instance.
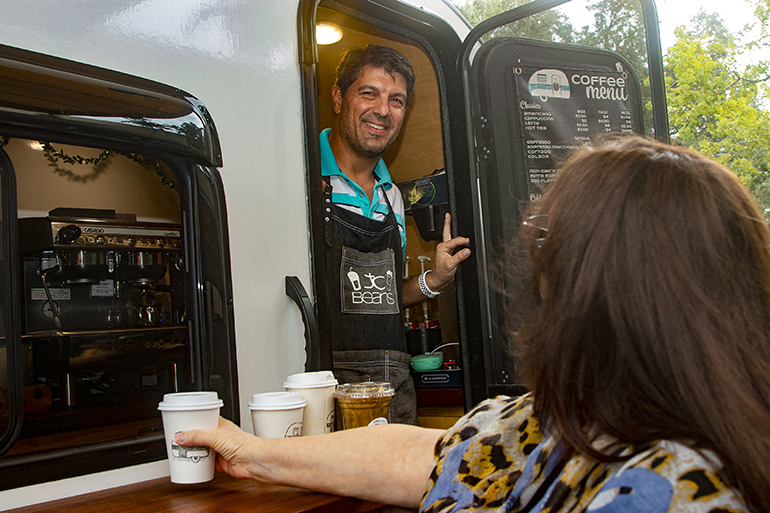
[355, 59]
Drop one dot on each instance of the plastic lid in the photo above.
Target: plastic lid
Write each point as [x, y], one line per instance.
[276, 401]
[190, 401]
[365, 390]
[316, 379]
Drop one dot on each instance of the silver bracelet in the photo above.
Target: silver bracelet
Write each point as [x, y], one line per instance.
[424, 286]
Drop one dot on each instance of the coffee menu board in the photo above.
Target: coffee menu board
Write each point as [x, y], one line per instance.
[563, 105]
[533, 103]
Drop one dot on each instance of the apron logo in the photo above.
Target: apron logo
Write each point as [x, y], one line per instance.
[377, 290]
[368, 282]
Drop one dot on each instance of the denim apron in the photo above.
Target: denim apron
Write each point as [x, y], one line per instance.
[364, 265]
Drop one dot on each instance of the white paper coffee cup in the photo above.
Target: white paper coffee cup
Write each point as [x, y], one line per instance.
[181, 412]
[317, 388]
[277, 414]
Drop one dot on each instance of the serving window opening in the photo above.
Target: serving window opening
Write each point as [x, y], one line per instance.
[417, 164]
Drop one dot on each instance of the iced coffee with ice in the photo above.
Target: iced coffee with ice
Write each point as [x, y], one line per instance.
[364, 404]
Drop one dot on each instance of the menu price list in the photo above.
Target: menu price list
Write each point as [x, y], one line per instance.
[554, 126]
[548, 135]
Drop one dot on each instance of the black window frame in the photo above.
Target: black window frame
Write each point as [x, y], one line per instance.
[127, 114]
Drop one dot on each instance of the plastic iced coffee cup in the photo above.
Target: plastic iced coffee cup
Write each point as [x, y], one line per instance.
[277, 414]
[317, 389]
[364, 404]
[181, 412]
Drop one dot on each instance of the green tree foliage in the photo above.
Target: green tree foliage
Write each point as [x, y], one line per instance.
[761, 43]
[717, 105]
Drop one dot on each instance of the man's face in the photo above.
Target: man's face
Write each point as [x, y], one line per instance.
[371, 112]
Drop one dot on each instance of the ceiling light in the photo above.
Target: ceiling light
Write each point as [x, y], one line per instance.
[327, 33]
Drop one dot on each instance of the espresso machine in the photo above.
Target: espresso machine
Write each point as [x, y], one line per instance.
[104, 330]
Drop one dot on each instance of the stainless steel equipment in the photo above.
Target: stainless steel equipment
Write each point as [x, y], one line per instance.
[104, 317]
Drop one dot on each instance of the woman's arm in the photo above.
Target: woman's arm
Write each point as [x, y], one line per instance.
[389, 463]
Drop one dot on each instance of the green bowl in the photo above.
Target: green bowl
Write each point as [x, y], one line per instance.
[427, 362]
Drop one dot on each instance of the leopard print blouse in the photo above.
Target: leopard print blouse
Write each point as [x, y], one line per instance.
[497, 458]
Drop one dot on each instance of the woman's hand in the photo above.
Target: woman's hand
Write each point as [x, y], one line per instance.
[234, 447]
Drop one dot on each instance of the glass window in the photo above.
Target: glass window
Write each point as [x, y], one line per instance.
[103, 293]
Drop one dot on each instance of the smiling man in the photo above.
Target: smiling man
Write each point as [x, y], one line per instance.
[364, 227]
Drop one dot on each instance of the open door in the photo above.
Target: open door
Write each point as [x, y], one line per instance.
[537, 88]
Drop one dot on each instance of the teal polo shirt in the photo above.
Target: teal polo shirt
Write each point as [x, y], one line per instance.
[349, 195]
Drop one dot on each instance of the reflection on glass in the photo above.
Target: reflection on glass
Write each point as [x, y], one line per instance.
[612, 25]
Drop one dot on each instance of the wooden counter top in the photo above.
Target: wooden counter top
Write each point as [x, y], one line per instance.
[223, 494]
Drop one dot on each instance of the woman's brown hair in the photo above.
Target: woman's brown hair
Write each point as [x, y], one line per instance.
[653, 323]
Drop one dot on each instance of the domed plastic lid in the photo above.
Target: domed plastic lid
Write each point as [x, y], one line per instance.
[276, 401]
[316, 379]
[365, 390]
[190, 401]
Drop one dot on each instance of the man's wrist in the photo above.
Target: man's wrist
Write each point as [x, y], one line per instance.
[424, 288]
